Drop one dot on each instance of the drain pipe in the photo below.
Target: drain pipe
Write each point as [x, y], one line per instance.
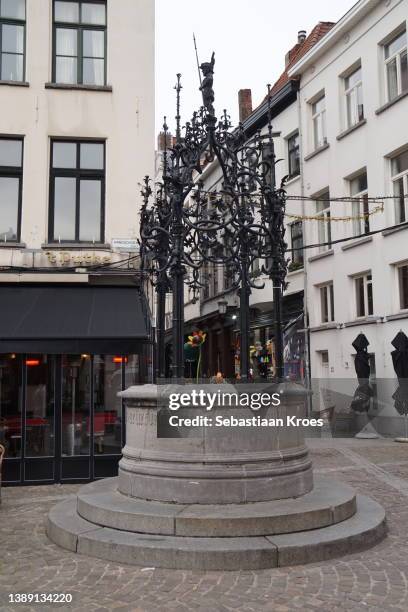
[306, 328]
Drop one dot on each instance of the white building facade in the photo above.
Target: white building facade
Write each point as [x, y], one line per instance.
[353, 102]
[76, 137]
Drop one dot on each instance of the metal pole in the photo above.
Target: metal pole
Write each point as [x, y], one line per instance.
[277, 309]
[160, 327]
[177, 273]
[178, 324]
[244, 327]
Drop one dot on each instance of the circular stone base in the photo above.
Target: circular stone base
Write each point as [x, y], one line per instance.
[101, 503]
[328, 522]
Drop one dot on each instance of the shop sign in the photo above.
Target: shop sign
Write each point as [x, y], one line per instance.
[65, 258]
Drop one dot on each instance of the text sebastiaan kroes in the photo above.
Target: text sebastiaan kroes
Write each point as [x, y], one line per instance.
[220, 399]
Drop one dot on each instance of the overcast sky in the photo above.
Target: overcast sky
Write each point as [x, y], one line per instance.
[249, 37]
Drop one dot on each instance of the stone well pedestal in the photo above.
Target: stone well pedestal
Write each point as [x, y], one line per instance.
[215, 498]
[214, 465]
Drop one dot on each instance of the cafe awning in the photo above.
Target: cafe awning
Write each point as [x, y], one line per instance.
[72, 319]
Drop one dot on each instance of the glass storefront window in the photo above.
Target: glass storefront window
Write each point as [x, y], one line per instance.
[132, 371]
[76, 401]
[40, 405]
[107, 404]
[60, 415]
[10, 405]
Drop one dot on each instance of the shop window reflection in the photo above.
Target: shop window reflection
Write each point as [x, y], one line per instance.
[132, 371]
[107, 404]
[76, 401]
[10, 404]
[40, 405]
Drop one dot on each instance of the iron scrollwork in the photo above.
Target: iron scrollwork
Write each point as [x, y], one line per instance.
[184, 228]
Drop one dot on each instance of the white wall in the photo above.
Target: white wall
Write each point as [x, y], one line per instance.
[123, 116]
[366, 147]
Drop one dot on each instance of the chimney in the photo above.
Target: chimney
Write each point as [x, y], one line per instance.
[291, 53]
[244, 103]
[301, 36]
[161, 141]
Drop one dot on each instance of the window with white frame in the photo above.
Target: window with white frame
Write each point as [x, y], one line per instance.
[296, 239]
[403, 285]
[319, 122]
[324, 221]
[360, 207]
[324, 361]
[364, 295]
[327, 303]
[353, 91]
[396, 67]
[294, 155]
[399, 173]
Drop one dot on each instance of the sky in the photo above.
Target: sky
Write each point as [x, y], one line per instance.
[250, 39]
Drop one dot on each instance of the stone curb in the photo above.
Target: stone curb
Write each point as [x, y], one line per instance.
[67, 529]
[102, 504]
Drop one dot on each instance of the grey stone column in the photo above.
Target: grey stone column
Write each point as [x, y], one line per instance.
[217, 465]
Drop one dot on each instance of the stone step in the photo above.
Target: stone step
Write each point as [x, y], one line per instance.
[67, 529]
[100, 503]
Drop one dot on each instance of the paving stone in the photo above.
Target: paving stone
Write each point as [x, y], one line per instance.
[30, 563]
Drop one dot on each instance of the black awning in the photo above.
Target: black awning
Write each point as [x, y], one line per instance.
[72, 319]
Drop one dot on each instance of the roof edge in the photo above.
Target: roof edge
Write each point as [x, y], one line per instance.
[352, 17]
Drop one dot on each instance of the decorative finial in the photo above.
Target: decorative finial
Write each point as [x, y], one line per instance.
[178, 87]
[269, 111]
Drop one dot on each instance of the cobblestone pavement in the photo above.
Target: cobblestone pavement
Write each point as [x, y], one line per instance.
[373, 580]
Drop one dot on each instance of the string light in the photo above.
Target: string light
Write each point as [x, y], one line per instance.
[327, 219]
[213, 196]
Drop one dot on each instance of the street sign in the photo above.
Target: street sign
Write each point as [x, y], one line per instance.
[125, 245]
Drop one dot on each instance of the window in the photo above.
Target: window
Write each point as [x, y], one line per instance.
[80, 42]
[353, 90]
[213, 278]
[399, 172]
[11, 180]
[364, 295]
[77, 191]
[294, 155]
[228, 269]
[255, 267]
[205, 281]
[324, 223]
[360, 208]
[319, 122]
[327, 303]
[12, 40]
[403, 286]
[324, 357]
[396, 69]
[296, 238]
[39, 437]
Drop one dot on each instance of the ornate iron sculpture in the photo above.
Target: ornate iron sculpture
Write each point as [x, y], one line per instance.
[362, 397]
[400, 362]
[184, 228]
